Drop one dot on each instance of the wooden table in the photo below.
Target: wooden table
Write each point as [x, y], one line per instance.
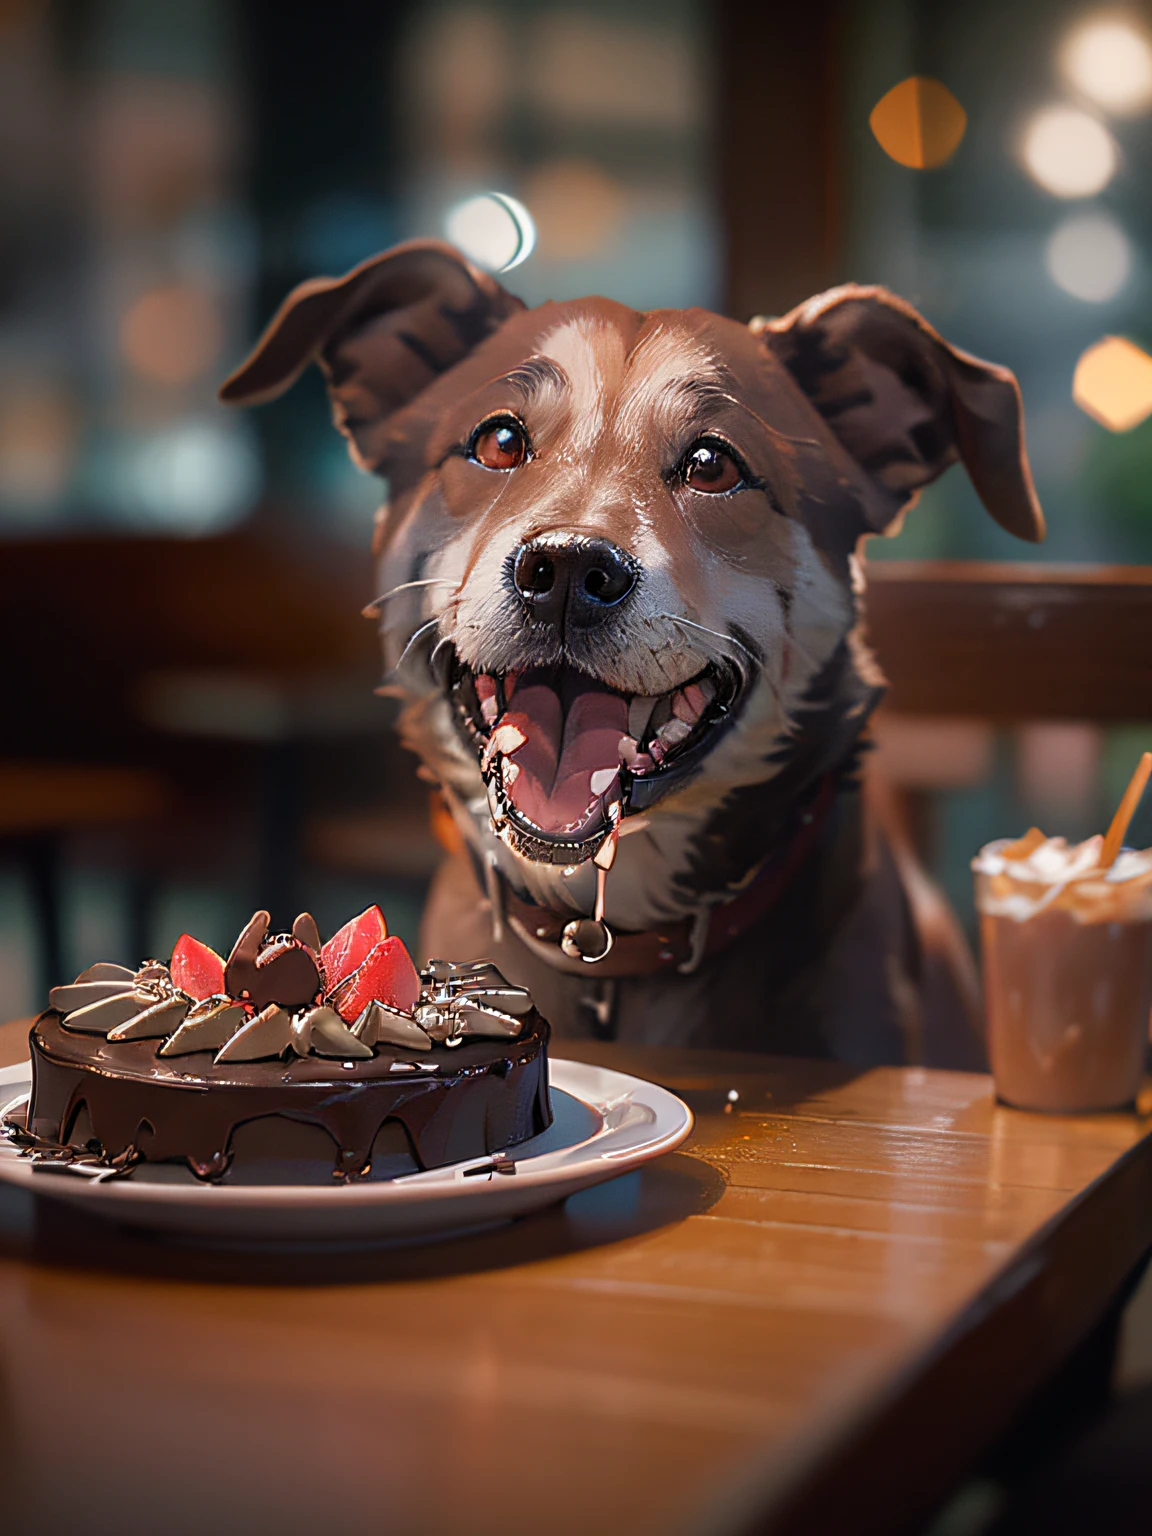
[815, 1317]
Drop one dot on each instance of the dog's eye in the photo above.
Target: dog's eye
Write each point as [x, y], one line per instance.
[499, 444]
[710, 467]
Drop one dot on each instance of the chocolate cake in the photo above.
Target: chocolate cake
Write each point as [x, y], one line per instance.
[287, 1049]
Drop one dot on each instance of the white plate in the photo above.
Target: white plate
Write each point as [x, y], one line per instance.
[605, 1124]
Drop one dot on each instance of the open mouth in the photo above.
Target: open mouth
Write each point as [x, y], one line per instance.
[565, 757]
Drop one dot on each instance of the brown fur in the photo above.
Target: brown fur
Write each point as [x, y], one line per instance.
[841, 412]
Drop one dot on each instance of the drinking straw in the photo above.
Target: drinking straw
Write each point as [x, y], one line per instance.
[1114, 838]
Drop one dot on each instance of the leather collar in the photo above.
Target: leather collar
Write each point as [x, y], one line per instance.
[678, 946]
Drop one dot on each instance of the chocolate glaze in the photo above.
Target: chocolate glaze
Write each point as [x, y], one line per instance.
[485, 1096]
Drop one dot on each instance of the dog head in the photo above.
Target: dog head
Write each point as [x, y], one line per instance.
[617, 556]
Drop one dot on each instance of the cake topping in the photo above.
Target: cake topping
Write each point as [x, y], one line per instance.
[381, 1025]
[155, 1023]
[279, 970]
[268, 1034]
[209, 1025]
[387, 975]
[347, 950]
[196, 969]
[289, 993]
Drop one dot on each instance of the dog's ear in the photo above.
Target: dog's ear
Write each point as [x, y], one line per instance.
[380, 334]
[906, 405]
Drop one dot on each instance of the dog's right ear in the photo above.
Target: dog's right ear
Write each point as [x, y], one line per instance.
[380, 334]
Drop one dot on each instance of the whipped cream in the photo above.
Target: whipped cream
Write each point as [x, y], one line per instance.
[1020, 877]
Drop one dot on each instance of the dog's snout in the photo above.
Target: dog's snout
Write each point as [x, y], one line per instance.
[574, 580]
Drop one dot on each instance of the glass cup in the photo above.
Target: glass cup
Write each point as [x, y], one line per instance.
[1067, 980]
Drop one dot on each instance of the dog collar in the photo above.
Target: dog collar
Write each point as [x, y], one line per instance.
[679, 946]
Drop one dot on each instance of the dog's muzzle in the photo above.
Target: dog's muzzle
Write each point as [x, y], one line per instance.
[565, 755]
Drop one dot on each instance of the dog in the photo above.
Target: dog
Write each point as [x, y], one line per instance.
[621, 604]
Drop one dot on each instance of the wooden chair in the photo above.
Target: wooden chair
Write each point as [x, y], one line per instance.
[969, 647]
[40, 804]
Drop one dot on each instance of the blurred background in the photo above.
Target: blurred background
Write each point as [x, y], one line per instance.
[189, 724]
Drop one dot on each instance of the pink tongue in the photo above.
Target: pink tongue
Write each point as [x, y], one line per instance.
[554, 786]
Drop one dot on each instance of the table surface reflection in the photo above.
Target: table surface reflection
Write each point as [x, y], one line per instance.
[823, 1308]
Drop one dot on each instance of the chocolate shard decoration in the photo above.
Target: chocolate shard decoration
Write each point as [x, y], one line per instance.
[240, 970]
[268, 1034]
[305, 929]
[98, 1018]
[301, 1038]
[210, 1005]
[206, 1029]
[81, 993]
[506, 999]
[104, 970]
[437, 1023]
[381, 1025]
[163, 1018]
[478, 972]
[488, 1022]
[332, 1037]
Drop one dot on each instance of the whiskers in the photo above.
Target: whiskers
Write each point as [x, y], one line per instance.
[394, 684]
[414, 639]
[375, 608]
[729, 649]
[726, 641]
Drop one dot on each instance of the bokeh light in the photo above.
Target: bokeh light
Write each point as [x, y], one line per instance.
[493, 230]
[1068, 152]
[1090, 257]
[1110, 61]
[918, 123]
[196, 477]
[172, 334]
[578, 208]
[1113, 383]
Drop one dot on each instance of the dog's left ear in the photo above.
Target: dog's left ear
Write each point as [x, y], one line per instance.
[906, 405]
[380, 335]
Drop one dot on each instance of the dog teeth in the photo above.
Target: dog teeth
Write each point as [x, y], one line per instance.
[603, 779]
[631, 756]
[509, 771]
[504, 740]
[673, 732]
[509, 738]
[639, 714]
[486, 695]
[661, 714]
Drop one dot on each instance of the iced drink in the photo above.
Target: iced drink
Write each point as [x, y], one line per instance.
[1067, 952]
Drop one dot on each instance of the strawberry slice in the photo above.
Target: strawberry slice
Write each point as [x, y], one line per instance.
[196, 969]
[386, 976]
[349, 948]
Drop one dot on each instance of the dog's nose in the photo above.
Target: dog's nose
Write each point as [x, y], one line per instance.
[576, 580]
